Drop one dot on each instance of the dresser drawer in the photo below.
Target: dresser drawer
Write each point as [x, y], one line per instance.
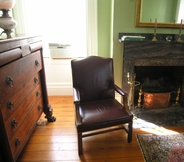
[10, 55]
[21, 136]
[18, 72]
[14, 120]
[9, 103]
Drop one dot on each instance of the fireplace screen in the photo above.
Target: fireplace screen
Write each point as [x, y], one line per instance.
[156, 100]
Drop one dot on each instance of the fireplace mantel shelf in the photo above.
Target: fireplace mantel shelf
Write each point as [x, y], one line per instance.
[149, 37]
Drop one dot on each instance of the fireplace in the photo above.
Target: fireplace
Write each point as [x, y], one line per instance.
[157, 67]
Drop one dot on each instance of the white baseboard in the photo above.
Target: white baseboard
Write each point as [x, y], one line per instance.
[59, 89]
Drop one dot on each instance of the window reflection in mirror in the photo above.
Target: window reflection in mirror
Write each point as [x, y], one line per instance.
[168, 13]
[163, 10]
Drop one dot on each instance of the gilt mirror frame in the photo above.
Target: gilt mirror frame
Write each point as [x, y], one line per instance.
[138, 22]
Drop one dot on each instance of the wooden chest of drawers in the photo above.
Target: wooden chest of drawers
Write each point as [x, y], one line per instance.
[23, 93]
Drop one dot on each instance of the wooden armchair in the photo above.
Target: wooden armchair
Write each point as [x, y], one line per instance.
[94, 99]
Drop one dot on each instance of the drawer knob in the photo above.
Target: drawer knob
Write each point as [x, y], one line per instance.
[35, 80]
[39, 107]
[36, 62]
[14, 123]
[10, 105]
[17, 142]
[9, 81]
[37, 93]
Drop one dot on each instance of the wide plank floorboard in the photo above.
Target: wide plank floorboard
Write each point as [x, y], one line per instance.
[57, 141]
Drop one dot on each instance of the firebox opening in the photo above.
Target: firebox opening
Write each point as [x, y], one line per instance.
[160, 80]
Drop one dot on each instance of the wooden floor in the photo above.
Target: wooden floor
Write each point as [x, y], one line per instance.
[57, 141]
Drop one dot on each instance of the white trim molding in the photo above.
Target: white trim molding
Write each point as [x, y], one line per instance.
[92, 27]
[60, 89]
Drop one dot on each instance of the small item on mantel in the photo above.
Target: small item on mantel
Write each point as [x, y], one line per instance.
[132, 38]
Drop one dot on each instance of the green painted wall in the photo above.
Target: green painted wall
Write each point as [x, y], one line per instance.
[104, 27]
[122, 22]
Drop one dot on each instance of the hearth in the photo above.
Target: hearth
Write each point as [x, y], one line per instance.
[157, 68]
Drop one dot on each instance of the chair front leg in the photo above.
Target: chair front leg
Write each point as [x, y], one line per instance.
[80, 152]
[129, 132]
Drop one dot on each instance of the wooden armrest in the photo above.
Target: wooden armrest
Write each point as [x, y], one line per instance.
[119, 90]
[124, 95]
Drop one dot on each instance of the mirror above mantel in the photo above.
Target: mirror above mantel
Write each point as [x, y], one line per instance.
[167, 13]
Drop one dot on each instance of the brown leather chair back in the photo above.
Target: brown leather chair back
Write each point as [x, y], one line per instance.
[92, 78]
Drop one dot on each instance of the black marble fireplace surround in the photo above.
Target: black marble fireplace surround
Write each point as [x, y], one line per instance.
[154, 60]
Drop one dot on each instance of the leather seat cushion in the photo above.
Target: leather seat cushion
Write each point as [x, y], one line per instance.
[103, 113]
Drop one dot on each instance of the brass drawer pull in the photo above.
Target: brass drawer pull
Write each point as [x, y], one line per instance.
[37, 93]
[35, 80]
[9, 81]
[39, 107]
[17, 142]
[10, 104]
[14, 123]
[36, 62]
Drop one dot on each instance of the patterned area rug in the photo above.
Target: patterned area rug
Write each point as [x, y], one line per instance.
[162, 148]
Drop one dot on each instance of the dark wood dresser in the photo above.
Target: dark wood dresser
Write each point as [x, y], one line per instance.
[23, 93]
